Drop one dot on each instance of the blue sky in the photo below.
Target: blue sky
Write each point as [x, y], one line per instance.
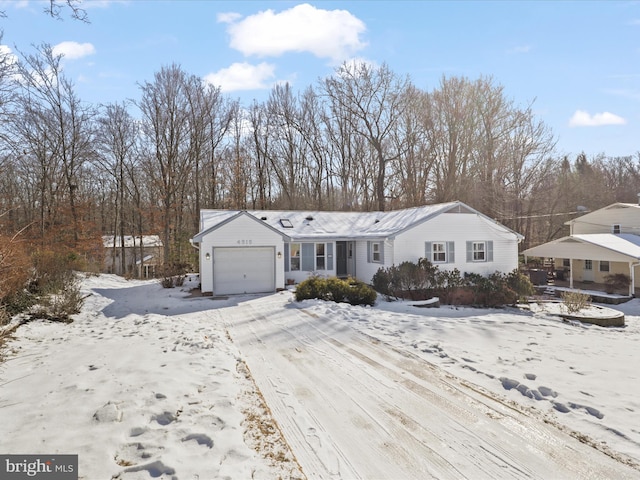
[578, 62]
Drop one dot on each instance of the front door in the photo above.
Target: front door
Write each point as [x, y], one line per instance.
[587, 272]
[341, 259]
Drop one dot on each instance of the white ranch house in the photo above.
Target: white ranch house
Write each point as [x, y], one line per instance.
[262, 251]
[602, 242]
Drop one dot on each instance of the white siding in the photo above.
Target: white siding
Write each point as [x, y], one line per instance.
[366, 270]
[242, 231]
[460, 228]
[601, 221]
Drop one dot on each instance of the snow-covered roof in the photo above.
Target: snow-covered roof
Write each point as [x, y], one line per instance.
[131, 241]
[300, 225]
[604, 211]
[146, 259]
[597, 246]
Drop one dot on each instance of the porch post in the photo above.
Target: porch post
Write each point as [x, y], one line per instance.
[632, 285]
[571, 273]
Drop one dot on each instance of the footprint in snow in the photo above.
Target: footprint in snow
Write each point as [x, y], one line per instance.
[154, 469]
[165, 418]
[200, 438]
[135, 453]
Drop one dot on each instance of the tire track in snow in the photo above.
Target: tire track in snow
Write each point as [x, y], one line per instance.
[351, 408]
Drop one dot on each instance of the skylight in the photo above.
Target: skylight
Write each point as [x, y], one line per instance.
[286, 223]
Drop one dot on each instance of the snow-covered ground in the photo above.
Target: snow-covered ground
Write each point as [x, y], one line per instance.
[152, 383]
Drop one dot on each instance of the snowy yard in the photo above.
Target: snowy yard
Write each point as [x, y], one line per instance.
[151, 383]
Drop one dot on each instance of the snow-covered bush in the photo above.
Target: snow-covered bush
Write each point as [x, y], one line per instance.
[575, 301]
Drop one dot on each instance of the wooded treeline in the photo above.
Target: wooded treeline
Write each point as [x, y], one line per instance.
[365, 138]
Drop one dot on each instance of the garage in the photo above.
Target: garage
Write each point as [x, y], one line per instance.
[243, 270]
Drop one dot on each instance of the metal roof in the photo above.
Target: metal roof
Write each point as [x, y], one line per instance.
[315, 224]
[623, 247]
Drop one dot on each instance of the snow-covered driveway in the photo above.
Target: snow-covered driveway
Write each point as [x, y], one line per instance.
[352, 407]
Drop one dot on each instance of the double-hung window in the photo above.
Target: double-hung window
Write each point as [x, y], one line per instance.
[294, 259]
[439, 252]
[480, 251]
[320, 256]
[604, 266]
[375, 252]
[308, 257]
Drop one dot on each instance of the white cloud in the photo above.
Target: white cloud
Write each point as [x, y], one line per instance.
[229, 17]
[333, 34]
[242, 76]
[582, 118]
[7, 55]
[74, 50]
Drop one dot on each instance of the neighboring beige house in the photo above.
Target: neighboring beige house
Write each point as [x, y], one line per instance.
[262, 251]
[602, 242]
[143, 255]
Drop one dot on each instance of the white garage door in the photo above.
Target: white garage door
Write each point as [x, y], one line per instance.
[243, 270]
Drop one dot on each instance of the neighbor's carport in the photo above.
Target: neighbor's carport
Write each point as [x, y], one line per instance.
[608, 247]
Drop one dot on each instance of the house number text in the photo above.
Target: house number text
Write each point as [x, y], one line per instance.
[245, 242]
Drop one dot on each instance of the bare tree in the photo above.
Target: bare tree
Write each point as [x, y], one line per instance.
[411, 171]
[165, 128]
[288, 151]
[374, 97]
[260, 135]
[116, 139]
[64, 123]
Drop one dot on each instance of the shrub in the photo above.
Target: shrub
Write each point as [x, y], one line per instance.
[520, 284]
[333, 289]
[61, 305]
[359, 293]
[53, 271]
[381, 282]
[446, 282]
[312, 287]
[406, 280]
[617, 282]
[490, 291]
[173, 274]
[575, 301]
[14, 266]
[19, 302]
[421, 280]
